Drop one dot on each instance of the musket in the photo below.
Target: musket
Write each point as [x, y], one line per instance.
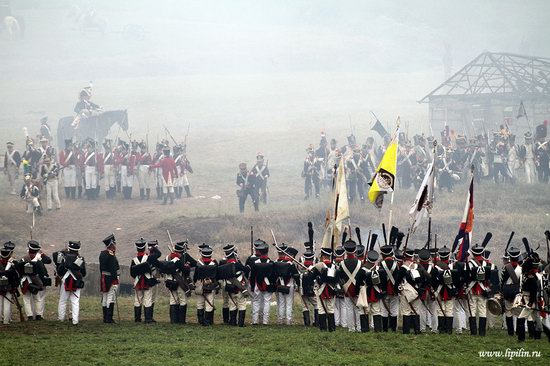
[185, 138]
[171, 246]
[251, 240]
[284, 251]
[169, 134]
[18, 306]
[509, 241]
[547, 233]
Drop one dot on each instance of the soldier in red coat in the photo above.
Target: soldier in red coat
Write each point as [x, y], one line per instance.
[169, 174]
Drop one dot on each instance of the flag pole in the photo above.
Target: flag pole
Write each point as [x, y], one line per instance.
[393, 191]
[431, 199]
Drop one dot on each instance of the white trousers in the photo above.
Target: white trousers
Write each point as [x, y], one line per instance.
[479, 305]
[178, 297]
[202, 302]
[12, 174]
[90, 174]
[32, 203]
[109, 178]
[52, 192]
[392, 302]
[530, 172]
[125, 179]
[143, 297]
[284, 306]
[5, 307]
[261, 303]
[460, 311]
[447, 306]
[340, 315]
[144, 177]
[326, 306]
[34, 304]
[352, 314]
[108, 298]
[69, 176]
[74, 299]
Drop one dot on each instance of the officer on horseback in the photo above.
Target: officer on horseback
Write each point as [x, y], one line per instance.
[85, 108]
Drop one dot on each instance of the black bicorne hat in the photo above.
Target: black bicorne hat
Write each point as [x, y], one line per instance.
[74, 245]
[326, 251]
[229, 250]
[140, 244]
[152, 243]
[339, 251]
[292, 252]
[349, 246]
[109, 240]
[444, 253]
[386, 250]
[33, 245]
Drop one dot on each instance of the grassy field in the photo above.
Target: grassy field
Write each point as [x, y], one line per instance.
[92, 342]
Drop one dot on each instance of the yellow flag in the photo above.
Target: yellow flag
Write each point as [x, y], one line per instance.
[384, 178]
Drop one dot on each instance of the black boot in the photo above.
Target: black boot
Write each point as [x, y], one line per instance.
[67, 192]
[441, 325]
[200, 316]
[416, 320]
[315, 318]
[177, 192]
[377, 320]
[385, 323]
[531, 329]
[393, 323]
[142, 193]
[73, 193]
[105, 314]
[130, 193]
[510, 325]
[482, 326]
[111, 312]
[322, 319]
[520, 329]
[225, 315]
[364, 320]
[449, 324]
[188, 191]
[159, 193]
[538, 334]
[79, 188]
[209, 318]
[153, 313]
[473, 325]
[174, 316]
[183, 314]
[148, 193]
[233, 318]
[331, 322]
[137, 314]
[406, 324]
[242, 316]
[546, 331]
[306, 318]
[165, 199]
[148, 315]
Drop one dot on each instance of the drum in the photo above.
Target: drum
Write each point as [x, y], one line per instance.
[517, 305]
[495, 305]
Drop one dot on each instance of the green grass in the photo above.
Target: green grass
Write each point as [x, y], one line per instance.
[92, 342]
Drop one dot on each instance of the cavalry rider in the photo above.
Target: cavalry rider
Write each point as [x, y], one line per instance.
[85, 108]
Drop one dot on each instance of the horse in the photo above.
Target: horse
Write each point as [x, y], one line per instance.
[13, 28]
[95, 128]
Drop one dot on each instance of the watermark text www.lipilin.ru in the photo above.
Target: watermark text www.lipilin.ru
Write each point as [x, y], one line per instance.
[510, 354]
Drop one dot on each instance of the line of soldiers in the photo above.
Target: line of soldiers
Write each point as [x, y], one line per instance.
[253, 183]
[29, 278]
[120, 167]
[499, 158]
[80, 168]
[353, 286]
